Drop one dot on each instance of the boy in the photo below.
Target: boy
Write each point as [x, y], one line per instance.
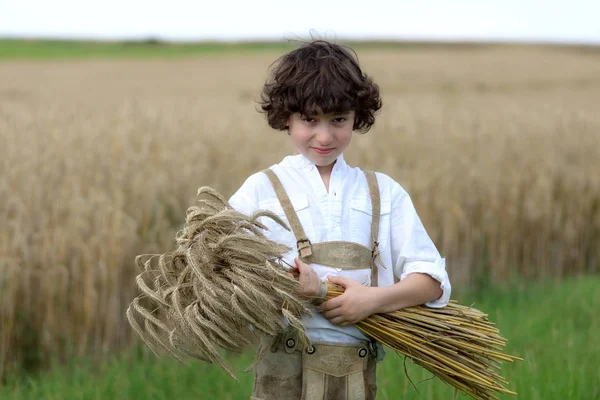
[358, 230]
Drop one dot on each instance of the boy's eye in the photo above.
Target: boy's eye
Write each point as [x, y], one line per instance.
[339, 120]
[308, 119]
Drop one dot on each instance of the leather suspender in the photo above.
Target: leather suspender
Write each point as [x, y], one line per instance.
[376, 213]
[305, 248]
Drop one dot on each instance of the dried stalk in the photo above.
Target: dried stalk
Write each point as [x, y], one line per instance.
[226, 275]
[223, 277]
[458, 344]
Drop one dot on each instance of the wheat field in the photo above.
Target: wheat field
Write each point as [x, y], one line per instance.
[499, 147]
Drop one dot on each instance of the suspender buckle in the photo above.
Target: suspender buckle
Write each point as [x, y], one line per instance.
[375, 250]
[304, 249]
[373, 348]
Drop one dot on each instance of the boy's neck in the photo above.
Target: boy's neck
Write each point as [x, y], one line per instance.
[325, 173]
[326, 170]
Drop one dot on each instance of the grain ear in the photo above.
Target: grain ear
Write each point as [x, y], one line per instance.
[223, 276]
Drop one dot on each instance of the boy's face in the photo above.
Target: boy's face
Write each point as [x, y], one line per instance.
[321, 137]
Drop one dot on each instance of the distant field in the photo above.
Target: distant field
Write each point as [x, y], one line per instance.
[34, 49]
[20, 49]
[553, 326]
[11, 49]
[498, 146]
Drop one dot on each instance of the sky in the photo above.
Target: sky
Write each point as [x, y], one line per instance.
[575, 21]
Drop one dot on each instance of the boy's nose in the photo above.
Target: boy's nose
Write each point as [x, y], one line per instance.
[323, 135]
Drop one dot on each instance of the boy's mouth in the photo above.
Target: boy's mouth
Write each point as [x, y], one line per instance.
[322, 151]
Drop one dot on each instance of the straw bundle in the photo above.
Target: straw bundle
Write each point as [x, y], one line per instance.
[223, 276]
[226, 275]
[458, 344]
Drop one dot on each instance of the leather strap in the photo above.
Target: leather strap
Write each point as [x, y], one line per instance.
[341, 255]
[302, 242]
[375, 215]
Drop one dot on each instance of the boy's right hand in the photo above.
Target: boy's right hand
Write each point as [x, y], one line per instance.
[310, 284]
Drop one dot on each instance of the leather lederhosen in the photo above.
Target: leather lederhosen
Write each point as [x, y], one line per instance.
[324, 371]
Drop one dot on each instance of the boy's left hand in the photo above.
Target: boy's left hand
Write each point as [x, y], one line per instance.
[352, 306]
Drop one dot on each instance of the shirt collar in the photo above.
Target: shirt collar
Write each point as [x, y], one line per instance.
[300, 161]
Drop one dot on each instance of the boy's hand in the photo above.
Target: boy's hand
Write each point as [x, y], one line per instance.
[352, 306]
[309, 281]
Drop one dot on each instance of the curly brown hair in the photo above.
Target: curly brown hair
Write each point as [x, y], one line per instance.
[319, 77]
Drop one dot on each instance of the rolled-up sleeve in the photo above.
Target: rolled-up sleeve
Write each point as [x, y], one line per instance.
[413, 250]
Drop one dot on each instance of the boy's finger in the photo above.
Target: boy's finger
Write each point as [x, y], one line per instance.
[301, 266]
[341, 280]
[331, 304]
[337, 320]
[336, 312]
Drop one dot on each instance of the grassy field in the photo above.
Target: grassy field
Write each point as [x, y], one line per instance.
[11, 49]
[553, 326]
[499, 147]
[37, 49]
[34, 49]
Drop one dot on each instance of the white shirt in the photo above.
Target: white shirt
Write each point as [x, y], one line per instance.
[344, 213]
